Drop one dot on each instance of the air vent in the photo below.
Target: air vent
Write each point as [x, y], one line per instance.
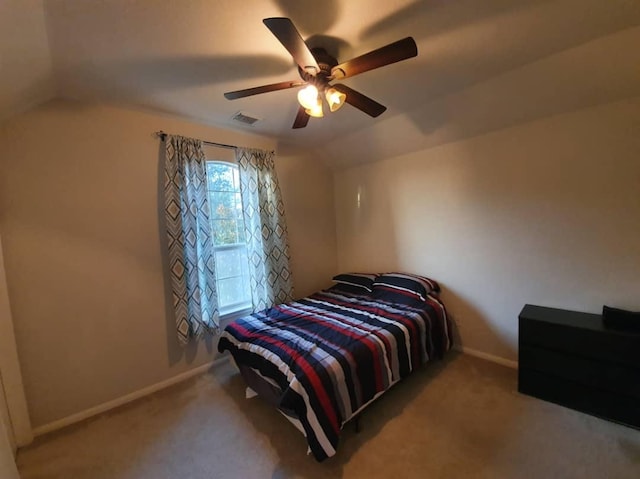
[245, 118]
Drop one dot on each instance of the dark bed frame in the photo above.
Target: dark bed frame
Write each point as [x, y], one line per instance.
[272, 394]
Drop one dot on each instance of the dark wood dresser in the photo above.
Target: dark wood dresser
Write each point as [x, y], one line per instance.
[571, 359]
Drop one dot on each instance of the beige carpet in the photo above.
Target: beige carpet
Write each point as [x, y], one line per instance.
[457, 419]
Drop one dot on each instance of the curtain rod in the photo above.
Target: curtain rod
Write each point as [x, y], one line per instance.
[162, 135]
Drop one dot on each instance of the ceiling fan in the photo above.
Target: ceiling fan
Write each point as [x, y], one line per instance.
[317, 69]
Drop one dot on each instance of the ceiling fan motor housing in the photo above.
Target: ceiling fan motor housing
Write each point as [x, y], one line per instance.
[326, 62]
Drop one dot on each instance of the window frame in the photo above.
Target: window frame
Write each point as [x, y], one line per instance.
[237, 309]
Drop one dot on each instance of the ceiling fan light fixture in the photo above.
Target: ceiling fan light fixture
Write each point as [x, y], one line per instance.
[308, 97]
[335, 99]
[316, 110]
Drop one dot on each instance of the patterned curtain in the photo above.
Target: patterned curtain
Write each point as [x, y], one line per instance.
[191, 261]
[266, 229]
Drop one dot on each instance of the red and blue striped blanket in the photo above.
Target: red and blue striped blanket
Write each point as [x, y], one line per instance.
[332, 353]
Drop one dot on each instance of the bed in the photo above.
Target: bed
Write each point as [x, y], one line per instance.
[322, 359]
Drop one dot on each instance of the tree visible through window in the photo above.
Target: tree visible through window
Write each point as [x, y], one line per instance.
[227, 224]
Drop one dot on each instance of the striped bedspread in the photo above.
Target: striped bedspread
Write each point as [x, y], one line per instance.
[332, 353]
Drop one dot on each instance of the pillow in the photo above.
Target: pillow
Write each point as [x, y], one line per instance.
[395, 285]
[621, 319]
[362, 282]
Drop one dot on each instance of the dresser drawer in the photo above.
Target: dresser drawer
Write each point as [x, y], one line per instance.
[597, 374]
[609, 346]
[615, 407]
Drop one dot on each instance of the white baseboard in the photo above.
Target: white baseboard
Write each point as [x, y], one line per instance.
[99, 409]
[104, 407]
[489, 357]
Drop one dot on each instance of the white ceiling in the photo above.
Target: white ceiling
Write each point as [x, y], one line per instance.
[482, 64]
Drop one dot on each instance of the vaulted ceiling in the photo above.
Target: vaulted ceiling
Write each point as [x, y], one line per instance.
[481, 66]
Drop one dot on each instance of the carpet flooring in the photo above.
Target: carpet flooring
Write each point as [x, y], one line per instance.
[459, 418]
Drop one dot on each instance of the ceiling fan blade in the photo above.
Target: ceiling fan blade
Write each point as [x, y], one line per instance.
[360, 101]
[302, 118]
[288, 34]
[392, 53]
[234, 95]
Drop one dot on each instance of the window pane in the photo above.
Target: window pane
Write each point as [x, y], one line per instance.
[227, 224]
[222, 204]
[221, 177]
[229, 262]
[224, 232]
[232, 291]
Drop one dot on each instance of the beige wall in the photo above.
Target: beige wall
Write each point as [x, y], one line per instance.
[13, 404]
[307, 191]
[545, 213]
[82, 240]
[25, 59]
[8, 468]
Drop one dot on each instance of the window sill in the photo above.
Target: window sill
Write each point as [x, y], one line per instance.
[229, 316]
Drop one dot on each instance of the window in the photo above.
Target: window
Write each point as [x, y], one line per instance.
[230, 249]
